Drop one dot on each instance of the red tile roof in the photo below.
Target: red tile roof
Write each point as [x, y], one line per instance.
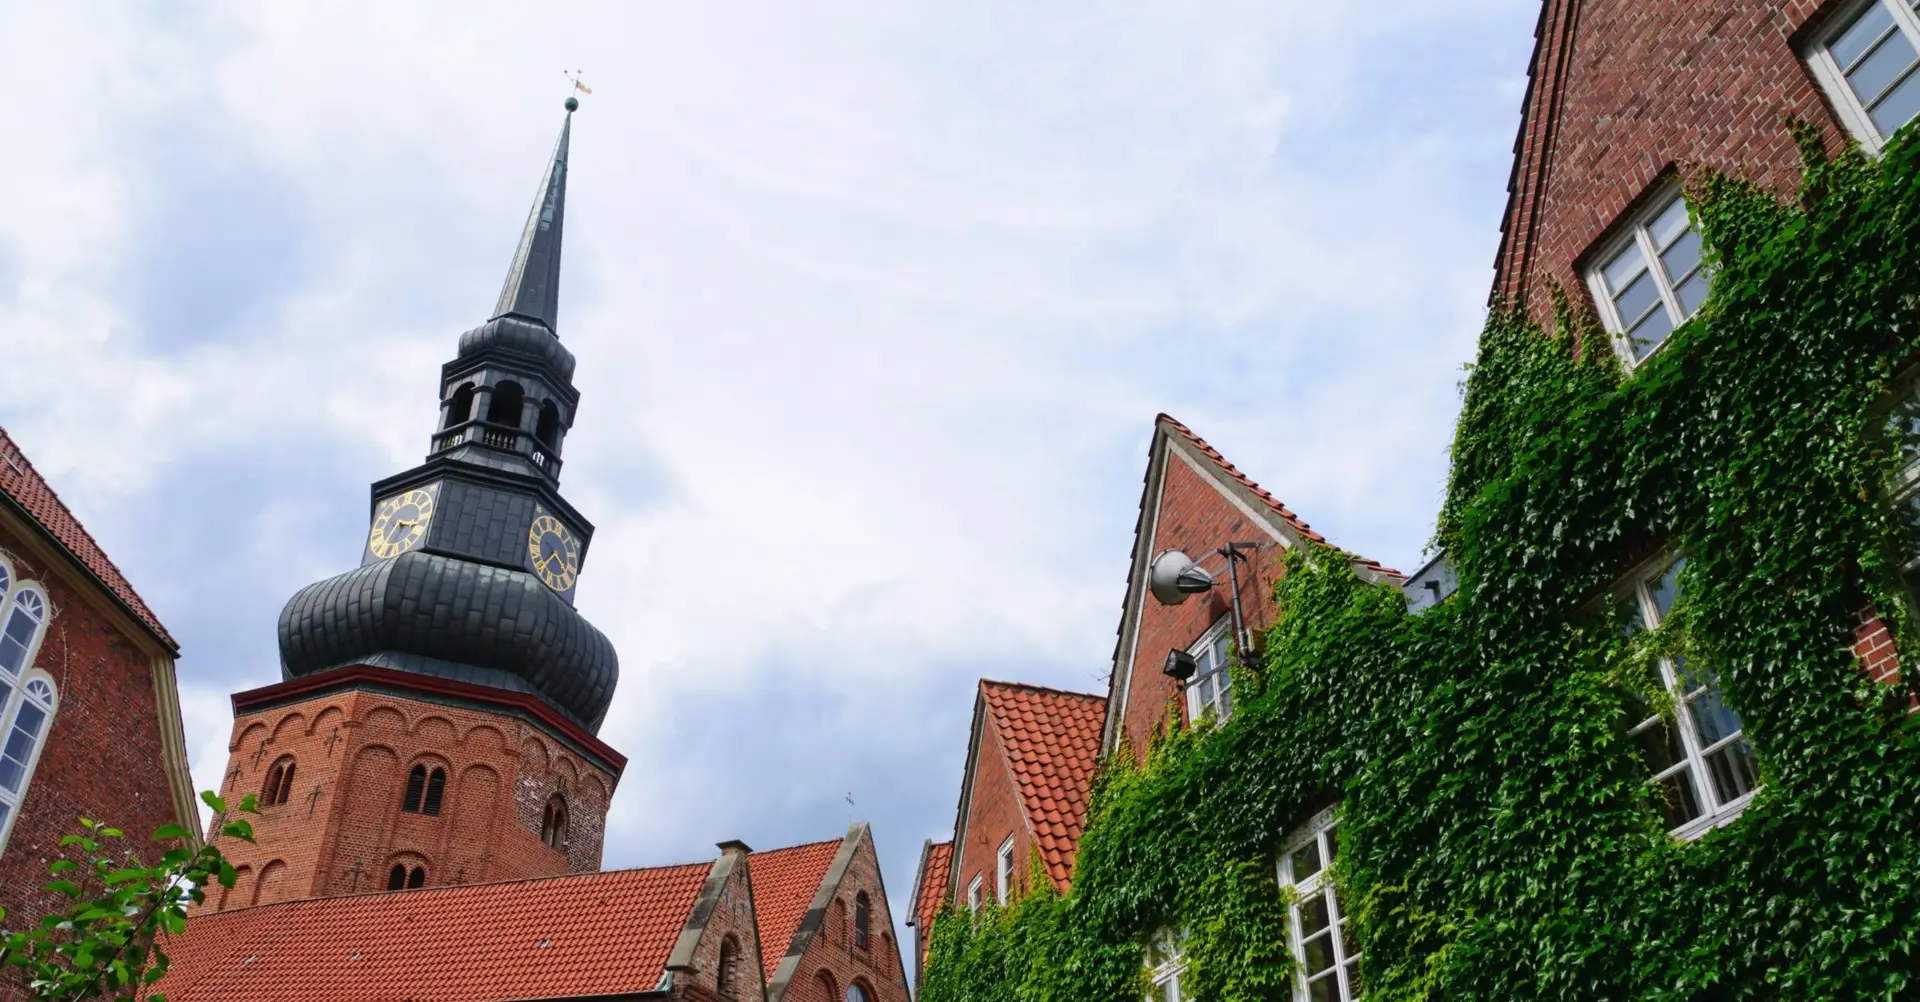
[1052, 743]
[784, 883]
[586, 934]
[24, 486]
[1273, 504]
[931, 895]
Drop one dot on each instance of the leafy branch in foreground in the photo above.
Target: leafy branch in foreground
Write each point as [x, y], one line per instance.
[107, 944]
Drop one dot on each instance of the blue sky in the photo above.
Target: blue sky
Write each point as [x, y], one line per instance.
[874, 305]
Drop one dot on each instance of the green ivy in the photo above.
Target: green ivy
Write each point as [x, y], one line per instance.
[1499, 836]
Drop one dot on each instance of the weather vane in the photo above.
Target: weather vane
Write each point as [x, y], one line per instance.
[578, 85]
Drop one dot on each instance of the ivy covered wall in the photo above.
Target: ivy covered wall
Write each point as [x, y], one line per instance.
[1499, 836]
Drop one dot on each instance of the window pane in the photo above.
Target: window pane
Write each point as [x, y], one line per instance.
[1711, 718]
[1326, 989]
[1683, 256]
[1734, 771]
[1316, 954]
[1853, 42]
[1206, 692]
[11, 773]
[1620, 271]
[1692, 293]
[1668, 226]
[1306, 860]
[1333, 843]
[13, 654]
[1874, 74]
[1636, 299]
[1659, 746]
[1898, 107]
[1682, 803]
[1666, 589]
[1313, 915]
[1651, 331]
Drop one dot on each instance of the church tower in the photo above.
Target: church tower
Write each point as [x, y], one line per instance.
[437, 719]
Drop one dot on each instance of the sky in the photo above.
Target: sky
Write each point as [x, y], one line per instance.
[874, 305]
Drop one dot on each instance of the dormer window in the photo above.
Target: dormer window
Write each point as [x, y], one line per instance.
[1651, 278]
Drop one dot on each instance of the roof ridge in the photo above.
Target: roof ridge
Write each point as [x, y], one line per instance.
[1042, 688]
[447, 890]
[1279, 508]
[800, 845]
[14, 461]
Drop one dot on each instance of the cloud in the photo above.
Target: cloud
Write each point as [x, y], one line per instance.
[873, 305]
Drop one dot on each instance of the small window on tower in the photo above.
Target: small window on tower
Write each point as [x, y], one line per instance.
[553, 823]
[504, 407]
[397, 878]
[549, 427]
[436, 788]
[279, 783]
[460, 405]
[417, 878]
[416, 789]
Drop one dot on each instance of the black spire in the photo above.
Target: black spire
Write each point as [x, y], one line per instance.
[533, 282]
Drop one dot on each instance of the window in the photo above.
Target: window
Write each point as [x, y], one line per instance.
[26, 619]
[729, 974]
[425, 790]
[1701, 760]
[973, 895]
[1903, 425]
[855, 993]
[279, 782]
[862, 920]
[27, 696]
[1210, 689]
[400, 878]
[553, 824]
[1165, 965]
[459, 406]
[503, 406]
[1652, 279]
[1329, 962]
[1003, 872]
[1866, 63]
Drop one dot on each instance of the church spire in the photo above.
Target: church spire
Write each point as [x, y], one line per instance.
[532, 290]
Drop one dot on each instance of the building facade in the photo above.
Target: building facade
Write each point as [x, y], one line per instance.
[88, 700]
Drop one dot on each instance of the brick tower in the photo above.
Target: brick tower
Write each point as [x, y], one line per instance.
[436, 722]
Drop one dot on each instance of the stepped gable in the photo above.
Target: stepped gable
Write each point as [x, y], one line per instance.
[24, 486]
[559, 937]
[1052, 742]
[784, 884]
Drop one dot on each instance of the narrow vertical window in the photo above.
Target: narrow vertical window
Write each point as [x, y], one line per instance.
[729, 978]
[417, 878]
[436, 788]
[553, 824]
[21, 635]
[1866, 62]
[862, 921]
[1003, 872]
[1699, 757]
[32, 718]
[1210, 691]
[1165, 965]
[973, 895]
[397, 878]
[279, 784]
[1652, 279]
[1323, 945]
[416, 789]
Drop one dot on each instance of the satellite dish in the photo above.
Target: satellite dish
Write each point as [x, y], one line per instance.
[1174, 576]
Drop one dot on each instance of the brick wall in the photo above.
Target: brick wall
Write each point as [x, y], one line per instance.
[1621, 90]
[833, 951]
[732, 919]
[993, 813]
[1193, 516]
[342, 829]
[103, 753]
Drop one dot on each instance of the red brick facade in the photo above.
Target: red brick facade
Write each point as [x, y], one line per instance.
[831, 957]
[993, 815]
[342, 828]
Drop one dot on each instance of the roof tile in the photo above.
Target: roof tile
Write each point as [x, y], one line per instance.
[784, 883]
[1059, 737]
[933, 886]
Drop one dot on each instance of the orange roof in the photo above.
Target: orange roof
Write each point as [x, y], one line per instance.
[1273, 503]
[585, 934]
[1052, 743]
[23, 485]
[784, 883]
[929, 897]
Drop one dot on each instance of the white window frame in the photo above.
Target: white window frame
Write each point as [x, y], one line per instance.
[973, 894]
[13, 692]
[1003, 871]
[1167, 974]
[1204, 650]
[1833, 79]
[1637, 233]
[1905, 486]
[1318, 830]
[1715, 812]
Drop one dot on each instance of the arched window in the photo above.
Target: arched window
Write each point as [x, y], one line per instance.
[424, 790]
[30, 717]
[837, 923]
[549, 427]
[460, 405]
[825, 988]
[856, 993]
[862, 921]
[26, 620]
[729, 973]
[553, 823]
[279, 783]
[418, 878]
[401, 878]
[504, 407]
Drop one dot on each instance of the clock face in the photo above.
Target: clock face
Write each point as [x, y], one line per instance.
[400, 523]
[554, 551]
